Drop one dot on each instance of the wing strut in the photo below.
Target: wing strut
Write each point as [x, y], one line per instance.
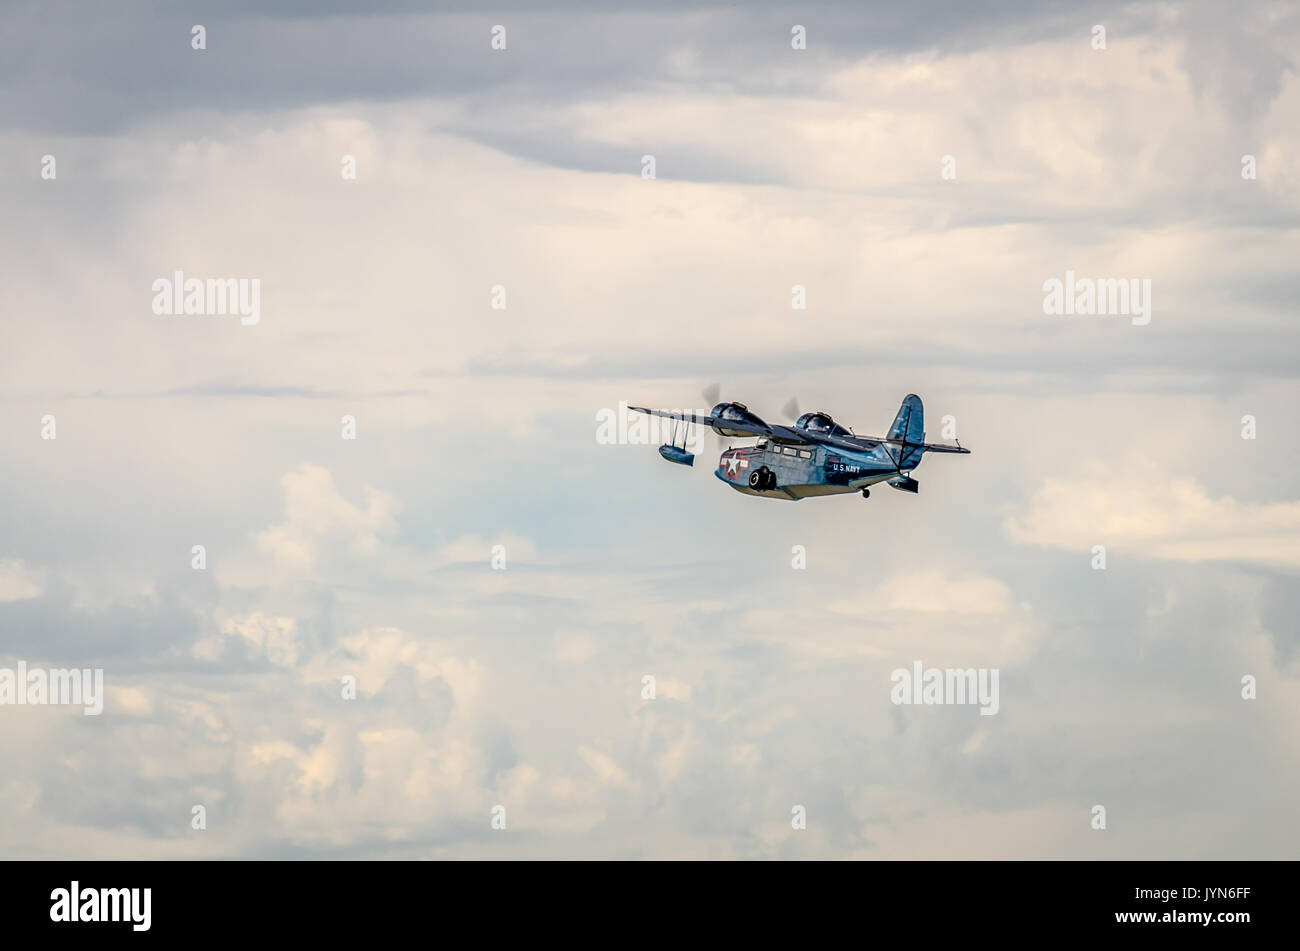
[678, 454]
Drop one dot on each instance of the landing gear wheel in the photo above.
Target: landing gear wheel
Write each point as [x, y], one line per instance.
[762, 479]
[866, 493]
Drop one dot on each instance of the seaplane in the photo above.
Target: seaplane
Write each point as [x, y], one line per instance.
[815, 456]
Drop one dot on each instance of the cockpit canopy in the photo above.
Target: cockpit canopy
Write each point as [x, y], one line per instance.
[820, 423]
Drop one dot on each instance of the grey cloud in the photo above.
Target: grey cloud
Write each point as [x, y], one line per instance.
[102, 67]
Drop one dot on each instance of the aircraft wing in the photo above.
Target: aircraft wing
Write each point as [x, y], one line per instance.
[870, 442]
[788, 434]
[867, 443]
[791, 435]
[750, 427]
[673, 414]
[851, 443]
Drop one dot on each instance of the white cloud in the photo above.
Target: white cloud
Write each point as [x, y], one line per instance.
[319, 521]
[1138, 508]
[606, 770]
[574, 648]
[375, 655]
[274, 637]
[133, 701]
[934, 591]
[17, 583]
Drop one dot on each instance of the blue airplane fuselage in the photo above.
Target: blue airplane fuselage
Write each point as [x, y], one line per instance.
[795, 472]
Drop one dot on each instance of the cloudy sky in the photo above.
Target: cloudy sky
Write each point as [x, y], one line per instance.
[476, 427]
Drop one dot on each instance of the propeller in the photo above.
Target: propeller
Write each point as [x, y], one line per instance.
[712, 397]
[713, 394]
[792, 410]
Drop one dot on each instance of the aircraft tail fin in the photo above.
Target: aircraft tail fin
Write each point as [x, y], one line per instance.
[909, 428]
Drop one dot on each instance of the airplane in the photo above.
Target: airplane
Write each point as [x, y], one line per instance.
[816, 456]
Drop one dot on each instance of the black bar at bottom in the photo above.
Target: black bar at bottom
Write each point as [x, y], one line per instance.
[645, 902]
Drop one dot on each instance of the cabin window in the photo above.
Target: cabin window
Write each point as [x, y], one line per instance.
[805, 454]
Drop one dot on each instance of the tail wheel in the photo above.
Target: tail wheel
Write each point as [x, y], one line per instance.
[866, 493]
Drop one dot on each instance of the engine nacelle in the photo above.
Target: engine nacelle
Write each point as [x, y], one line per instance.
[737, 411]
[905, 484]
